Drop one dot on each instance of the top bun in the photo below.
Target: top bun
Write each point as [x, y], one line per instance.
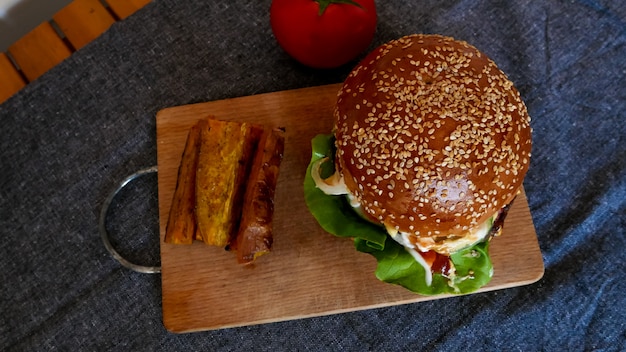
[432, 138]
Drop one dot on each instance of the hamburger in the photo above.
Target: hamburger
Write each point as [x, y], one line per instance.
[430, 145]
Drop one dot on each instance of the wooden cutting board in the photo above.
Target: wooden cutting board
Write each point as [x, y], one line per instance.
[310, 272]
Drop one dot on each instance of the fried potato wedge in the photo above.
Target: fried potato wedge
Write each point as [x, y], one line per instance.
[254, 237]
[181, 224]
[223, 163]
[225, 189]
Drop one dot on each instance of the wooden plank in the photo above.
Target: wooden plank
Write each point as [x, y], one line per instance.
[125, 8]
[39, 50]
[83, 21]
[309, 272]
[10, 80]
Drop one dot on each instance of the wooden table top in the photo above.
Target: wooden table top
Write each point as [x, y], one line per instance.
[53, 41]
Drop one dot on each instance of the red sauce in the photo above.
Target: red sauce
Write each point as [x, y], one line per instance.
[439, 263]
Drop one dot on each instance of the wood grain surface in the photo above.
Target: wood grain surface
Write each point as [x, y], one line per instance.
[78, 23]
[309, 272]
[10, 77]
[83, 21]
[39, 50]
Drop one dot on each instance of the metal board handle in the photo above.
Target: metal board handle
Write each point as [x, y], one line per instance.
[104, 233]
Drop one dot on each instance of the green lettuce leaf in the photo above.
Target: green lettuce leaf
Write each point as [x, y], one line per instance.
[395, 264]
[334, 213]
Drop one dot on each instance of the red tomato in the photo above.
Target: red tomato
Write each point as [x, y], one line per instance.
[323, 33]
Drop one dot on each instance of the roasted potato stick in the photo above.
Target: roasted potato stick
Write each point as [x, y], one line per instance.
[181, 224]
[254, 237]
[198, 235]
[225, 150]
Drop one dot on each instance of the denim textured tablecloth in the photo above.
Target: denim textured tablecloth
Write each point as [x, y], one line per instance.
[69, 137]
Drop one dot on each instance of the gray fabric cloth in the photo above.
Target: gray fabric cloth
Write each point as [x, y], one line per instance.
[71, 136]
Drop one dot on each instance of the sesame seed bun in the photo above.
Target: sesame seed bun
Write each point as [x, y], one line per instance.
[432, 138]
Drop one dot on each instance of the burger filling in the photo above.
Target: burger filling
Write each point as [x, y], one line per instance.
[426, 251]
[421, 253]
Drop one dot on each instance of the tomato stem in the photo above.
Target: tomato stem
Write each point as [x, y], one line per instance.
[324, 4]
